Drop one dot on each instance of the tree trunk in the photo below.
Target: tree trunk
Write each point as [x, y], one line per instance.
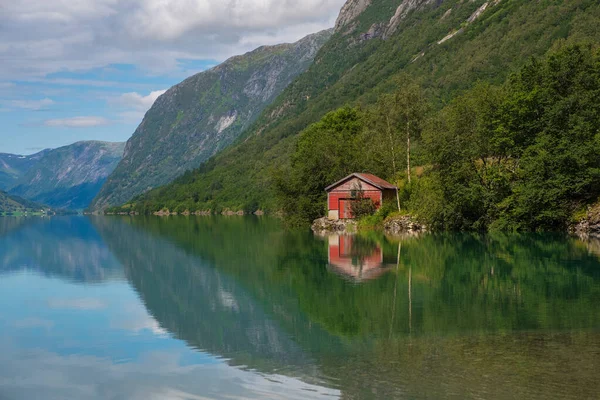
[389, 129]
[408, 150]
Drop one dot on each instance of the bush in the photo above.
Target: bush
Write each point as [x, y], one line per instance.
[362, 208]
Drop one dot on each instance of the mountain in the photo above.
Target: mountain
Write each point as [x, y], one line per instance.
[13, 166]
[445, 45]
[204, 114]
[68, 177]
[10, 205]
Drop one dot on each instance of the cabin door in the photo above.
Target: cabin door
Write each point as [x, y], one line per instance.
[346, 209]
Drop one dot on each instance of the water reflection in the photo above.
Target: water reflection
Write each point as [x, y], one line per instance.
[448, 316]
[68, 248]
[355, 257]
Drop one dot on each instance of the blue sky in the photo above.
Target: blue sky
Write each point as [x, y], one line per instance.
[89, 70]
[99, 104]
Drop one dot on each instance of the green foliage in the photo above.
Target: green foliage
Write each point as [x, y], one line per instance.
[325, 153]
[361, 206]
[13, 205]
[521, 157]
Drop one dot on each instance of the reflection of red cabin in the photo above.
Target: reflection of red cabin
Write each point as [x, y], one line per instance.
[341, 194]
[357, 266]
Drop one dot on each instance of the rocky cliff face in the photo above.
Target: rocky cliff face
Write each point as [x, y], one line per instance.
[68, 177]
[204, 114]
[349, 12]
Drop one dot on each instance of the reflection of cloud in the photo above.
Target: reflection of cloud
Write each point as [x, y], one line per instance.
[77, 304]
[28, 323]
[37, 374]
[138, 324]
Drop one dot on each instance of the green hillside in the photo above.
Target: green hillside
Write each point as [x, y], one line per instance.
[13, 205]
[444, 46]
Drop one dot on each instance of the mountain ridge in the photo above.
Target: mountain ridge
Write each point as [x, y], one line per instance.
[67, 177]
[202, 115]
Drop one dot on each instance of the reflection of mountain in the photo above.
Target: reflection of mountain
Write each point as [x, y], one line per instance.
[198, 303]
[459, 313]
[65, 247]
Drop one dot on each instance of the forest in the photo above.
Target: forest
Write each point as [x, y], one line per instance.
[519, 156]
[522, 156]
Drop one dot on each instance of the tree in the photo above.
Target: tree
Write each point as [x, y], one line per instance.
[325, 152]
[398, 119]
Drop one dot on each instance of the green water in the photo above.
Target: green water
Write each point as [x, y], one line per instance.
[195, 308]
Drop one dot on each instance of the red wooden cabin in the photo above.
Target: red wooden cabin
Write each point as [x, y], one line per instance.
[341, 194]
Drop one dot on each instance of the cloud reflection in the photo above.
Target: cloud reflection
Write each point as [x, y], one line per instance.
[36, 374]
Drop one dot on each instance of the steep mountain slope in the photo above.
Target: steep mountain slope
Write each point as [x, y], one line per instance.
[69, 177]
[446, 45]
[202, 115]
[13, 166]
[16, 205]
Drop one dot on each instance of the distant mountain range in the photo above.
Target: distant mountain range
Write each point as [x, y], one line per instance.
[204, 114]
[65, 178]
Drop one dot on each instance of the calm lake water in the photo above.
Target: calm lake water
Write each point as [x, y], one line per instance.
[239, 308]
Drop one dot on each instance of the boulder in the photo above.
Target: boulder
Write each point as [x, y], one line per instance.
[403, 224]
[325, 226]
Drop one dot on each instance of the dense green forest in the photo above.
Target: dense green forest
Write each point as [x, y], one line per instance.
[521, 156]
[479, 134]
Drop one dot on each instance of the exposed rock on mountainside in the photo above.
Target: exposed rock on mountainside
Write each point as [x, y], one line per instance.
[350, 11]
[68, 177]
[402, 11]
[202, 115]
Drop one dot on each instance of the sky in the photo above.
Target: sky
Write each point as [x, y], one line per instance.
[74, 70]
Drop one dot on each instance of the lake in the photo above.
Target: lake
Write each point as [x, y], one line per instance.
[240, 308]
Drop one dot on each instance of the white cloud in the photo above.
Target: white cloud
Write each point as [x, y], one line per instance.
[77, 122]
[137, 101]
[134, 105]
[44, 36]
[30, 104]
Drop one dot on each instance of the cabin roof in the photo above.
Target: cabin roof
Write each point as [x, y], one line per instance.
[368, 178]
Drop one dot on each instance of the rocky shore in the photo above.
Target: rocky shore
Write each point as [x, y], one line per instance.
[325, 226]
[393, 226]
[589, 226]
